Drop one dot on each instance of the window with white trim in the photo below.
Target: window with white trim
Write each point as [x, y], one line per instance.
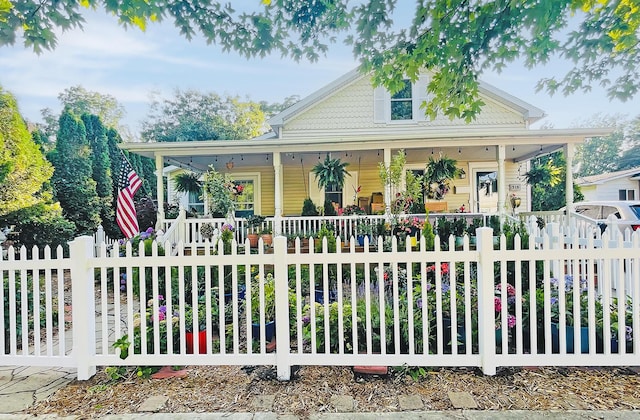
[403, 106]
[402, 103]
[626, 194]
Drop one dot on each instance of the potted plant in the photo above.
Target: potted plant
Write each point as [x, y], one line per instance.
[330, 173]
[269, 311]
[267, 235]
[254, 223]
[308, 208]
[363, 229]
[438, 173]
[200, 329]
[188, 182]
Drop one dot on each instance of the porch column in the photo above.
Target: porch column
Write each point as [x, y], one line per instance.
[569, 152]
[502, 182]
[277, 169]
[160, 189]
[387, 187]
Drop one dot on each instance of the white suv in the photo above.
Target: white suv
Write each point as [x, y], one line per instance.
[624, 214]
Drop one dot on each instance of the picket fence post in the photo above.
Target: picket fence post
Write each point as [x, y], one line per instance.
[283, 364]
[83, 306]
[486, 321]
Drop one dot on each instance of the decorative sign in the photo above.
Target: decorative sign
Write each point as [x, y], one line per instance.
[514, 187]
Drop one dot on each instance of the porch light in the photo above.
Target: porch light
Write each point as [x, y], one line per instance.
[230, 164]
[462, 174]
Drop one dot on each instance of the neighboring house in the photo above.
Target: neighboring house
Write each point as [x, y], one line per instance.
[363, 125]
[620, 185]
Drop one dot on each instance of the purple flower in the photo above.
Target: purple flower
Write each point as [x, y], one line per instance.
[419, 303]
[163, 309]
[149, 230]
[306, 319]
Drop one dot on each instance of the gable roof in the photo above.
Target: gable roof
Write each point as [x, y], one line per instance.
[530, 112]
[633, 173]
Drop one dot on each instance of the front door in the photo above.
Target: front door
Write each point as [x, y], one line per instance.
[486, 191]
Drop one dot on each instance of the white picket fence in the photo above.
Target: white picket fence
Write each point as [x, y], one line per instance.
[439, 306]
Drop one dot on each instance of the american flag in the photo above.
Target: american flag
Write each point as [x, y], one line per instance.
[128, 184]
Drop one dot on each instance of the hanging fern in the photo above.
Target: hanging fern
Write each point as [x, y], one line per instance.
[188, 182]
[330, 173]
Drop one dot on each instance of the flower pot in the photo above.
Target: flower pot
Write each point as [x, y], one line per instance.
[319, 296]
[241, 295]
[267, 239]
[269, 330]
[361, 239]
[202, 342]
[569, 338]
[253, 240]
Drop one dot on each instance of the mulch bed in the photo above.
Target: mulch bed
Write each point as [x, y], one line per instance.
[232, 388]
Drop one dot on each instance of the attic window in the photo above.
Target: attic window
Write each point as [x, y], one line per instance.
[402, 103]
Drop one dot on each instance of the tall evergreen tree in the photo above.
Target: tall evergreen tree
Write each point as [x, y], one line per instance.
[72, 178]
[101, 164]
[25, 192]
[23, 169]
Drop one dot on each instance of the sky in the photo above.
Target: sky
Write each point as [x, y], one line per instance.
[131, 65]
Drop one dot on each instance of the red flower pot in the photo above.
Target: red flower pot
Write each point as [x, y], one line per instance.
[202, 342]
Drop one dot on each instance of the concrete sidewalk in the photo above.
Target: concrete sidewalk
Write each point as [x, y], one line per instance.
[413, 415]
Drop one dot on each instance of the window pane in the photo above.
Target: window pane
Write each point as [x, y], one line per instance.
[405, 92]
[622, 194]
[245, 201]
[401, 103]
[401, 110]
[631, 195]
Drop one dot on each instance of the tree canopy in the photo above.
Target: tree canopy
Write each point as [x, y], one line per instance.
[618, 151]
[455, 39]
[192, 116]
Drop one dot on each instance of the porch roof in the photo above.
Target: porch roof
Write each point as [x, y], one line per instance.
[479, 145]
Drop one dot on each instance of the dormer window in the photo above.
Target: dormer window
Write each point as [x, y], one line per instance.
[403, 107]
[402, 103]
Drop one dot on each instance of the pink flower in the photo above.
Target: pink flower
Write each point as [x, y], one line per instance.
[511, 321]
[497, 304]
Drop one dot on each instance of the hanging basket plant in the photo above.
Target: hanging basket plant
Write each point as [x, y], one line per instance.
[438, 173]
[330, 173]
[188, 182]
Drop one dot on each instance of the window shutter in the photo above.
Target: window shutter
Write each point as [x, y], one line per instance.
[420, 96]
[381, 105]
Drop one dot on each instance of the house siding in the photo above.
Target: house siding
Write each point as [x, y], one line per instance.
[352, 109]
[609, 190]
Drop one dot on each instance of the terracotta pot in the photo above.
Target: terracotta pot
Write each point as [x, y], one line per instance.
[267, 238]
[253, 240]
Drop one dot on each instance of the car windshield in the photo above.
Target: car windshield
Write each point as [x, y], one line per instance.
[636, 210]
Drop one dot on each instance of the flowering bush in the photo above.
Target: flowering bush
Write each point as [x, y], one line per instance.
[152, 320]
[353, 209]
[510, 306]
[409, 226]
[147, 237]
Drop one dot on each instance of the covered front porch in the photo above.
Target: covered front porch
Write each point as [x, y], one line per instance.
[492, 167]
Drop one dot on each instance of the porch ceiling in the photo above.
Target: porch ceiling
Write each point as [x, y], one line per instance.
[519, 145]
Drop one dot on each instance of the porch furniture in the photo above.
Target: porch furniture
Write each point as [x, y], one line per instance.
[436, 206]
[377, 202]
[363, 203]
